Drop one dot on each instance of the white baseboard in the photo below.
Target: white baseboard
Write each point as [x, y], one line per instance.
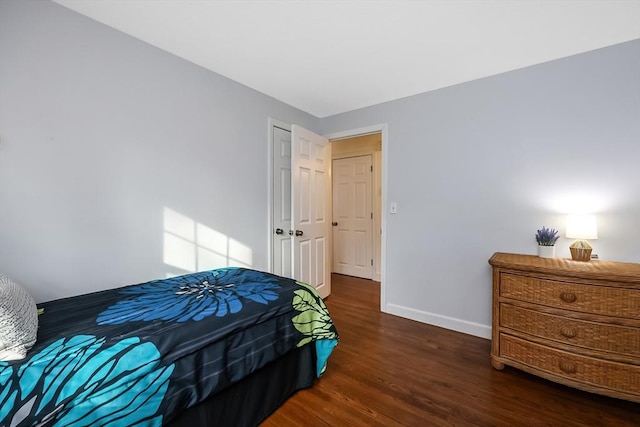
[459, 325]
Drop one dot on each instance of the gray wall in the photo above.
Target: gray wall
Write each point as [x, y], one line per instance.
[99, 133]
[479, 167]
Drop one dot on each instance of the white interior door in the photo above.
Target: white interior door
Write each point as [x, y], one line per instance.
[353, 216]
[311, 204]
[281, 242]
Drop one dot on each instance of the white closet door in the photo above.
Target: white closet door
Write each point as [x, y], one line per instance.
[282, 241]
[311, 187]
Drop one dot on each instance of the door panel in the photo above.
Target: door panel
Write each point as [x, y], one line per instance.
[320, 196]
[310, 201]
[303, 196]
[304, 260]
[285, 258]
[321, 250]
[361, 241]
[353, 216]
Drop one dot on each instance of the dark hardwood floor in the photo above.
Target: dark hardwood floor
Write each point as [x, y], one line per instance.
[389, 371]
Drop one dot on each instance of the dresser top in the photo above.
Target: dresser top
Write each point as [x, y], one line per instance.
[600, 270]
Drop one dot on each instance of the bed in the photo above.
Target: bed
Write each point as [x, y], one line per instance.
[215, 348]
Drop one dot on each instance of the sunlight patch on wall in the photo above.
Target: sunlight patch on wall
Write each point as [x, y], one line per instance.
[190, 246]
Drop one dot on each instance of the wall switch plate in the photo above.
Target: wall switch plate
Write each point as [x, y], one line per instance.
[393, 209]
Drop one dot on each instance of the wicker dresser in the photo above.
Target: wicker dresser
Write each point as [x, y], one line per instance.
[577, 323]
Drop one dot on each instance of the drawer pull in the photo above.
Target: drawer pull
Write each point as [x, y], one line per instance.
[568, 332]
[568, 367]
[568, 296]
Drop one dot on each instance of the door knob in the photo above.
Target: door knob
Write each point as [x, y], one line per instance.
[335, 224]
[279, 231]
[299, 233]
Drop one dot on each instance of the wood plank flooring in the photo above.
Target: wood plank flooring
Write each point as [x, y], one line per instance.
[389, 371]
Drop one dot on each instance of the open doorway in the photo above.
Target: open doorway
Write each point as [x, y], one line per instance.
[357, 201]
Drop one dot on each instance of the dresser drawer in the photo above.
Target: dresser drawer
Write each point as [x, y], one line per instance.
[583, 369]
[603, 300]
[592, 335]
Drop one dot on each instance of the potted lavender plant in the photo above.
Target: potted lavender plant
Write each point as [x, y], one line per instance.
[546, 238]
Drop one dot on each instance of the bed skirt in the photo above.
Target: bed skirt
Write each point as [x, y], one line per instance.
[251, 400]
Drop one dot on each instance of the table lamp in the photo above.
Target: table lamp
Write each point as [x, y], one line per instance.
[581, 227]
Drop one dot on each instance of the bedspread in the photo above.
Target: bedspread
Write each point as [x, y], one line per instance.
[140, 354]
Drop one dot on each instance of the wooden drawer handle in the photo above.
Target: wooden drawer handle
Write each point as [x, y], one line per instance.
[568, 296]
[568, 367]
[568, 332]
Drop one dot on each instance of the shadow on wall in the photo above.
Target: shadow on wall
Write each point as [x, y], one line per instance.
[189, 246]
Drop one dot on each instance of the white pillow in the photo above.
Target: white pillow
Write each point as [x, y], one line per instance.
[18, 320]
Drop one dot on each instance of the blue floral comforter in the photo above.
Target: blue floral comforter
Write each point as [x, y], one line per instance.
[138, 355]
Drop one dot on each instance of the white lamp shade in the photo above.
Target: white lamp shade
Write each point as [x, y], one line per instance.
[581, 227]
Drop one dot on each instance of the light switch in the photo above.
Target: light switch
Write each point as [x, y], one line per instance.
[393, 209]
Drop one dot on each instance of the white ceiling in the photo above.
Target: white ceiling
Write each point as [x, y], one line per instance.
[328, 57]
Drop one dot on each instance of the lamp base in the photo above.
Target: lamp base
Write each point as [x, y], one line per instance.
[578, 254]
[580, 250]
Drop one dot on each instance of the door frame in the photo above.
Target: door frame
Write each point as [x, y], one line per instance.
[381, 128]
